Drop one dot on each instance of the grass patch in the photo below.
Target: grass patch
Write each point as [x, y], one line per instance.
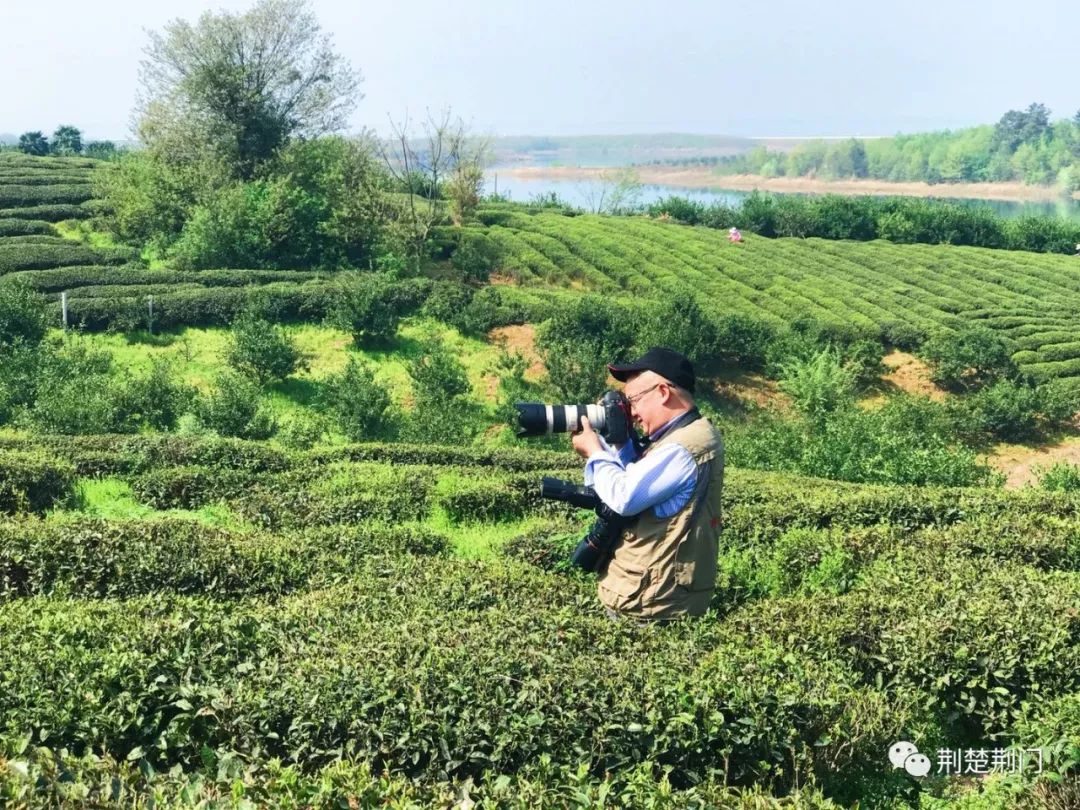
[483, 541]
[112, 499]
[81, 231]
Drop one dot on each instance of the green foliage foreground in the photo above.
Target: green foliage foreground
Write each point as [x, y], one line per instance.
[286, 662]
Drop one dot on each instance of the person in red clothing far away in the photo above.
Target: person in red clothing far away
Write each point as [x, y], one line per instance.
[734, 235]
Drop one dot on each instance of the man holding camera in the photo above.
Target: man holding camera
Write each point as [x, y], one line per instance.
[664, 564]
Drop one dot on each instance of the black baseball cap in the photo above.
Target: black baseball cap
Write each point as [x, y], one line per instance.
[668, 363]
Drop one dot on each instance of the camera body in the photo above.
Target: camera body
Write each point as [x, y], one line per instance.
[610, 418]
[597, 546]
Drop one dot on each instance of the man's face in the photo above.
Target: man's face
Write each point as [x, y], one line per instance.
[647, 392]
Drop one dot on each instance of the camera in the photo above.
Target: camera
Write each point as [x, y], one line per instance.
[595, 548]
[610, 418]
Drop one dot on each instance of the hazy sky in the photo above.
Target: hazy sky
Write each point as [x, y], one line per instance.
[772, 67]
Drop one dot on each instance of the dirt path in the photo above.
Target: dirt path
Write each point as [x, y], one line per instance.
[701, 177]
[910, 374]
[1021, 464]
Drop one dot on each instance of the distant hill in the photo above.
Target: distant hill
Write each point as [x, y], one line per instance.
[613, 150]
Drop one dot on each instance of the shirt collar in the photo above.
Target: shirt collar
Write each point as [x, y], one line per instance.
[655, 436]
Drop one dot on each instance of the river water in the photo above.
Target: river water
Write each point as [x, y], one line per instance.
[586, 194]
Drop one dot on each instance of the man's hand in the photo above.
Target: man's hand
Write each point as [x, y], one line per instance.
[586, 441]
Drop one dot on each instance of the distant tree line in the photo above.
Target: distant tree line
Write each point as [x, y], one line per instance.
[1023, 146]
[66, 141]
[897, 219]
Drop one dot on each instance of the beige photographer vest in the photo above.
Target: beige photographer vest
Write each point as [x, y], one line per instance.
[663, 568]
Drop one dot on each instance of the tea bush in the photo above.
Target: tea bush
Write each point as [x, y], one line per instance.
[32, 482]
[91, 558]
[235, 408]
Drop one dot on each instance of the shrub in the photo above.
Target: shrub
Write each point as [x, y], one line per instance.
[125, 558]
[32, 482]
[369, 306]
[19, 376]
[902, 335]
[449, 302]
[1059, 402]
[302, 432]
[437, 375]
[22, 315]
[442, 414]
[217, 306]
[579, 341]
[361, 407]
[262, 349]
[681, 324]
[235, 407]
[46, 257]
[968, 358]
[742, 339]
[863, 358]
[17, 227]
[155, 400]
[680, 209]
[510, 368]
[13, 196]
[486, 310]
[46, 213]
[851, 444]
[476, 256]
[1061, 476]
[820, 385]
[73, 394]
[751, 702]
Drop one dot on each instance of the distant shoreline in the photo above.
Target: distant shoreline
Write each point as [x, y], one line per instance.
[698, 177]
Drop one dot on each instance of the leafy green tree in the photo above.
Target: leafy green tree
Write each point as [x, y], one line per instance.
[22, 315]
[34, 143]
[578, 343]
[151, 193]
[261, 224]
[101, 150]
[1018, 127]
[262, 350]
[370, 306]
[319, 203]
[347, 187]
[235, 407]
[66, 141]
[155, 400]
[243, 84]
[969, 358]
[437, 375]
[361, 406]
[442, 412]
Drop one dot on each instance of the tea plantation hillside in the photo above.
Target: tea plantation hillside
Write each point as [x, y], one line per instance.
[313, 628]
[110, 285]
[318, 619]
[884, 288]
[1030, 298]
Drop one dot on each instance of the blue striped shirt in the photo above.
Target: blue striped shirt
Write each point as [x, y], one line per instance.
[664, 478]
